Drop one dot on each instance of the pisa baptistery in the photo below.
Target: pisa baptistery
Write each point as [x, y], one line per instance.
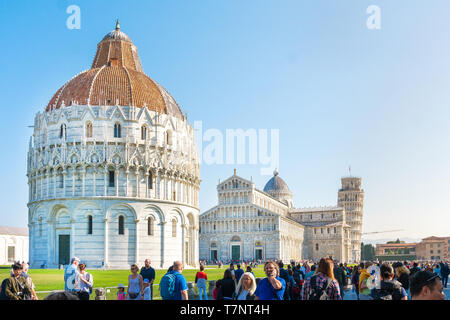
[113, 171]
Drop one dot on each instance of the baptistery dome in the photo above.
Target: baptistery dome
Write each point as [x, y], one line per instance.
[115, 78]
[113, 170]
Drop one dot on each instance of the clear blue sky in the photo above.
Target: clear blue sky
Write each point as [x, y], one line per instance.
[339, 93]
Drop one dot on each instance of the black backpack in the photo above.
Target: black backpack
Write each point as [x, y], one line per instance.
[389, 290]
[318, 293]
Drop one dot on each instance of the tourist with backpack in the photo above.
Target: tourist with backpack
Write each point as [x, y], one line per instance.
[322, 285]
[173, 285]
[273, 286]
[85, 283]
[390, 289]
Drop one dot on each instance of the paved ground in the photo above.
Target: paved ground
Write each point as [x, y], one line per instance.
[349, 295]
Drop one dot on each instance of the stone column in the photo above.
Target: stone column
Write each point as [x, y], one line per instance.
[64, 173]
[116, 172]
[47, 178]
[83, 177]
[54, 183]
[183, 242]
[127, 172]
[50, 242]
[94, 192]
[137, 182]
[106, 183]
[72, 234]
[147, 191]
[163, 224]
[73, 182]
[105, 259]
[137, 240]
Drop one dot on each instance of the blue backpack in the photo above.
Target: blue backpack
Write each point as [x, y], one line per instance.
[167, 286]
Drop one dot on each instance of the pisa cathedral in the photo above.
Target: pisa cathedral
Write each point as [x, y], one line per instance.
[113, 171]
[248, 223]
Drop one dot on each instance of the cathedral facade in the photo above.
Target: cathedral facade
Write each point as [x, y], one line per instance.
[113, 171]
[252, 224]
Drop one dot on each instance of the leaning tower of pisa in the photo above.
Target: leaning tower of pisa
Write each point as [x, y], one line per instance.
[351, 198]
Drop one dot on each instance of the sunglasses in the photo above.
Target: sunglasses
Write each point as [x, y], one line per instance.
[433, 277]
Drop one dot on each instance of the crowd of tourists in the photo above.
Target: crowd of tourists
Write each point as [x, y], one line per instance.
[325, 280]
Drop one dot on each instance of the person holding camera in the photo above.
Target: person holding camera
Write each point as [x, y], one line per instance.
[16, 287]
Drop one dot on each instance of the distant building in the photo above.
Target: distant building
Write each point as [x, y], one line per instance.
[396, 251]
[252, 224]
[431, 248]
[434, 248]
[13, 245]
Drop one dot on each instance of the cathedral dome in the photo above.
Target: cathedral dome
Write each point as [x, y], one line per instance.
[276, 184]
[278, 189]
[115, 78]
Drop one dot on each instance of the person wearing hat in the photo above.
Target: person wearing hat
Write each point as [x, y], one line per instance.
[147, 290]
[16, 287]
[72, 275]
[425, 285]
[121, 294]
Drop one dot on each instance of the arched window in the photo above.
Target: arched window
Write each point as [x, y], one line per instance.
[150, 223]
[150, 180]
[317, 247]
[121, 225]
[88, 129]
[117, 130]
[111, 178]
[62, 131]
[144, 132]
[89, 224]
[174, 228]
[61, 179]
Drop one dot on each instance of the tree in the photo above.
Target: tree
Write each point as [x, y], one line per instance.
[367, 252]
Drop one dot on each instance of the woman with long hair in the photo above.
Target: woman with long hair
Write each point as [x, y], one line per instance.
[322, 285]
[225, 286]
[402, 274]
[246, 287]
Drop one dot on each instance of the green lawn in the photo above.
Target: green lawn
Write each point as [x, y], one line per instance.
[53, 279]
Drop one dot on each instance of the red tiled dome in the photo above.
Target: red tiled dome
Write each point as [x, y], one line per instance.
[116, 77]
